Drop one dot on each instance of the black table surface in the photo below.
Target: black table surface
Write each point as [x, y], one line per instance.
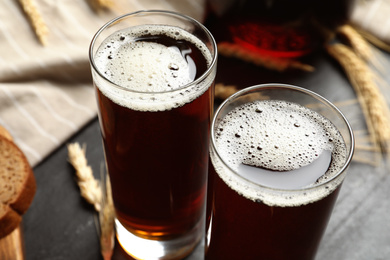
[61, 225]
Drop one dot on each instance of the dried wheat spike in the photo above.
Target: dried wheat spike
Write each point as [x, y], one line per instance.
[374, 40]
[106, 220]
[89, 187]
[101, 4]
[357, 42]
[279, 64]
[373, 104]
[36, 20]
[224, 91]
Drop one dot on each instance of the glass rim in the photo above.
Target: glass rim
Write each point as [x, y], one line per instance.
[159, 12]
[294, 88]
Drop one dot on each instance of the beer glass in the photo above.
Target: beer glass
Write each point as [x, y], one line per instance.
[153, 73]
[279, 156]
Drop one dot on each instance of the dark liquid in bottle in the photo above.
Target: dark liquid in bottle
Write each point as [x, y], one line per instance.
[277, 28]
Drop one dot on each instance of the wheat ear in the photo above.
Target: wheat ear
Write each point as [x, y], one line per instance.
[373, 104]
[98, 195]
[361, 47]
[36, 20]
[89, 187]
[374, 40]
[106, 219]
[101, 4]
[223, 91]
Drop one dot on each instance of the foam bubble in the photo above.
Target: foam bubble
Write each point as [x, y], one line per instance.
[147, 68]
[278, 139]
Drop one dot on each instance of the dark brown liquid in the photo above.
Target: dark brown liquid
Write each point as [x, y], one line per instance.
[287, 148]
[158, 161]
[244, 229]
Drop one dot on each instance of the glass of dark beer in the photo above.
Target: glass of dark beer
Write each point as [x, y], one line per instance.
[153, 73]
[279, 155]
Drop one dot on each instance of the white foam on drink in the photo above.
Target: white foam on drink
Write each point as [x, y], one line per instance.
[294, 179]
[149, 69]
[280, 145]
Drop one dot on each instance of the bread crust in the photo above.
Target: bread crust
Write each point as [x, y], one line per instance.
[9, 221]
[4, 132]
[11, 211]
[21, 203]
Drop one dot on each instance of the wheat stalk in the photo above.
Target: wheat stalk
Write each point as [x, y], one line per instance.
[367, 149]
[373, 104]
[98, 195]
[360, 45]
[89, 187]
[365, 160]
[223, 91]
[101, 4]
[106, 220]
[279, 64]
[374, 40]
[36, 20]
[357, 42]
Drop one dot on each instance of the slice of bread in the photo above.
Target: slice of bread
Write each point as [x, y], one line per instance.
[4, 132]
[17, 185]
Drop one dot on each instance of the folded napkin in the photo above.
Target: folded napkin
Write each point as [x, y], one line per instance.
[46, 92]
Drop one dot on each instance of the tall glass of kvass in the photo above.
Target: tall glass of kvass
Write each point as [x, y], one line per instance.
[153, 73]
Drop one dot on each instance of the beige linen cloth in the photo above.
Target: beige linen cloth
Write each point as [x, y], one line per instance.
[373, 16]
[46, 92]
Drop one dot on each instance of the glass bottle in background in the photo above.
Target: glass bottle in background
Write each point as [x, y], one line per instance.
[276, 28]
